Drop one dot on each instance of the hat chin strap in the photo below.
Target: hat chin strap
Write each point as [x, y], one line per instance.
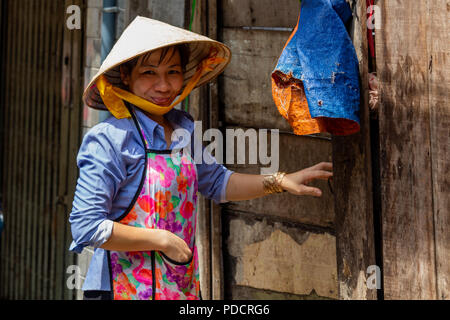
[113, 96]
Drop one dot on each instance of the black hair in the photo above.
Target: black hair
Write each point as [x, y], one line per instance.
[183, 49]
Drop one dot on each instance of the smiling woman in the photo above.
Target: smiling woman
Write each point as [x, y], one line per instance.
[136, 197]
[157, 76]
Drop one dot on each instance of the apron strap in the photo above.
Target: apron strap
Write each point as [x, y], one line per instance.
[138, 127]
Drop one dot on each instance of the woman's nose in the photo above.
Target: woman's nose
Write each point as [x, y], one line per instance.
[162, 84]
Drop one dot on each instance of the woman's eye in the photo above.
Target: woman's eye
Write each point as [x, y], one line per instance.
[149, 72]
[174, 72]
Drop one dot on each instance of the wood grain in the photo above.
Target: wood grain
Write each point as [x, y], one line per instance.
[294, 153]
[246, 88]
[439, 78]
[403, 63]
[260, 13]
[353, 184]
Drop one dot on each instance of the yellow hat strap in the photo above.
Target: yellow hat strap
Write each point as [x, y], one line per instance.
[113, 96]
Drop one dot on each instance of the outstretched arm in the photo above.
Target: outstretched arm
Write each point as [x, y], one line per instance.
[249, 186]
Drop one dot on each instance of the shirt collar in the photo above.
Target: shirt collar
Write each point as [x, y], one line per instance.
[177, 118]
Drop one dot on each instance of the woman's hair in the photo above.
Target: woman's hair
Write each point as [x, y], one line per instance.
[183, 49]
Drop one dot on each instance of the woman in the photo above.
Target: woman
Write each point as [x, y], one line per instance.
[135, 199]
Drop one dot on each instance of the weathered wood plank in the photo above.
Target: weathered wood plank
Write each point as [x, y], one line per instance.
[42, 104]
[14, 148]
[246, 91]
[439, 70]
[198, 108]
[74, 143]
[14, 123]
[294, 153]
[37, 212]
[27, 154]
[260, 13]
[353, 185]
[46, 168]
[20, 157]
[8, 205]
[407, 202]
[49, 151]
[34, 147]
[284, 258]
[217, 274]
[64, 179]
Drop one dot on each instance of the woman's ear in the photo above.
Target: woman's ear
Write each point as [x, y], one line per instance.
[124, 75]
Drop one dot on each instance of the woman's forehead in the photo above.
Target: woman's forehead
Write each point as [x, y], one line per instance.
[154, 58]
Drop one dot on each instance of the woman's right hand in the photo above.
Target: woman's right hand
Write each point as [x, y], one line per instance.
[176, 248]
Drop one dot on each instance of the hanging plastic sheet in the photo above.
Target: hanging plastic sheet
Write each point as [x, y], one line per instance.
[315, 84]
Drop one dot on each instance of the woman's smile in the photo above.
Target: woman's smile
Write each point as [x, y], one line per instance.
[161, 101]
[157, 80]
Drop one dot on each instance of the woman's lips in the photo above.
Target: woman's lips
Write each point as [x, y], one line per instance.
[161, 101]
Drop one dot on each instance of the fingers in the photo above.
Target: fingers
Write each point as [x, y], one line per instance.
[323, 166]
[310, 191]
[317, 174]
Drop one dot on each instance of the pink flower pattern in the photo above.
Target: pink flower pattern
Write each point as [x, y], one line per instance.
[131, 271]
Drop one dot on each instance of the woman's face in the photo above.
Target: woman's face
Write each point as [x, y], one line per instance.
[159, 83]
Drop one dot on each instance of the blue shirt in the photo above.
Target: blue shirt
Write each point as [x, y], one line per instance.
[111, 162]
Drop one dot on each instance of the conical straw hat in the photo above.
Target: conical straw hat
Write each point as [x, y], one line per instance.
[144, 35]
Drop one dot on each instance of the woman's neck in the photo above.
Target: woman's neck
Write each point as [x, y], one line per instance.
[160, 119]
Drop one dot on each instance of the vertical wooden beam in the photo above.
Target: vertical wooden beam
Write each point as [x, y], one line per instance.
[29, 108]
[68, 112]
[217, 286]
[23, 155]
[7, 177]
[11, 207]
[35, 216]
[198, 108]
[42, 259]
[403, 65]
[6, 26]
[439, 73]
[75, 133]
[353, 185]
[51, 131]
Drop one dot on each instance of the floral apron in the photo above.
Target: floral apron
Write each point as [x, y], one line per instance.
[166, 199]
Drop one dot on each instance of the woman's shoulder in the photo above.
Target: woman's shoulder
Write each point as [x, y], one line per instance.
[112, 130]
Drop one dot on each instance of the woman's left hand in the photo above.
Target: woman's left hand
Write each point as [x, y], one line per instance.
[297, 182]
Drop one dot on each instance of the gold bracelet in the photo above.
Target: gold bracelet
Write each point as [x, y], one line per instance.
[272, 183]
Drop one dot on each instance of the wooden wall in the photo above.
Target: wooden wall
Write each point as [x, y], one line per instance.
[413, 58]
[279, 246]
[353, 184]
[41, 110]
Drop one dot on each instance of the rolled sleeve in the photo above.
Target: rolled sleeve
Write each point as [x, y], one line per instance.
[223, 193]
[212, 178]
[101, 174]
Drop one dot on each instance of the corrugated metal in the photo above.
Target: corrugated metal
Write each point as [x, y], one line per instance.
[41, 113]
